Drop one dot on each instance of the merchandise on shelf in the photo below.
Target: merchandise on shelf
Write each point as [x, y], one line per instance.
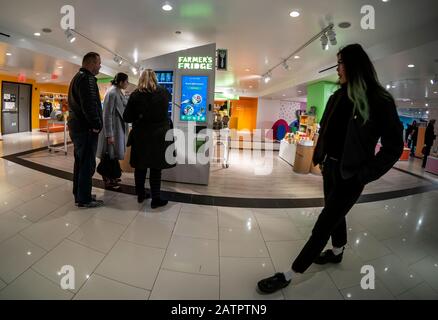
[52, 103]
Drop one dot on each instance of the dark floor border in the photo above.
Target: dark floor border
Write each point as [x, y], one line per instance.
[226, 201]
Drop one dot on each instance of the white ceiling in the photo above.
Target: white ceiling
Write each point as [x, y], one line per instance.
[257, 33]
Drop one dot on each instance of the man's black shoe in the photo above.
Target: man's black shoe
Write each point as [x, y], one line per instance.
[273, 284]
[92, 204]
[157, 203]
[142, 197]
[93, 198]
[329, 257]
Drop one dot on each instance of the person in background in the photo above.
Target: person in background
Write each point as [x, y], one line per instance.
[429, 138]
[112, 139]
[84, 124]
[356, 116]
[409, 131]
[414, 136]
[147, 111]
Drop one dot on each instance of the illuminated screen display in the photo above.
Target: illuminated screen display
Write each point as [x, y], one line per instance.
[194, 90]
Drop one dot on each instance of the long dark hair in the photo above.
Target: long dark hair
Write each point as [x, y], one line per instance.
[361, 78]
[119, 78]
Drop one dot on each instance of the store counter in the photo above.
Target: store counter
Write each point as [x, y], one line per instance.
[287, 151]
[53, 127]
[432, 165]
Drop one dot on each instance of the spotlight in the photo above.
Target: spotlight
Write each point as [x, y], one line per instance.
[324, 42]
[285, 65]
[167, 7]
[118, 60]
[267, 77]
[70, 36]
[134, 71]
[434, 80]
[332, 37]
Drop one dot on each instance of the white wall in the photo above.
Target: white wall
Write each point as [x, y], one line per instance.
[270, 111]
[267, 113]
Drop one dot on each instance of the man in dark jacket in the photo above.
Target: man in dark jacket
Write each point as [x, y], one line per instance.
[85, 123]
[429, 138]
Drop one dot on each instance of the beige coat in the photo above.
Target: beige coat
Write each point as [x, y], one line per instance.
[113, 125]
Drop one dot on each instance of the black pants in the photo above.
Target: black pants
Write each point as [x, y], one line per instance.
[340, 196]
[85, 147]
[154, 182]
[426, 154]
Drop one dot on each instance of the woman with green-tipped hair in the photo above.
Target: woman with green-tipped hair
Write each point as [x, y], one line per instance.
[357, 115]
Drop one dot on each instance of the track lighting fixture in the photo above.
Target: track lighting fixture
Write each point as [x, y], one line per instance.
[324, 42]
[325, 35]
[118, 60]
[286, 66]
[70, 36]
[332, 37]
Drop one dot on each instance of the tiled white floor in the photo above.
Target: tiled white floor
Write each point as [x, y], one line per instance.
[101, 288]
[128, 251]
[184, 286]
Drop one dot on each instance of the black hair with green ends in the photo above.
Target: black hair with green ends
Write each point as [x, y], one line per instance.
[362, 79]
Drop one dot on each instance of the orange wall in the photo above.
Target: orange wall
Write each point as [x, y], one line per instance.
[36, 89]
[245, 110]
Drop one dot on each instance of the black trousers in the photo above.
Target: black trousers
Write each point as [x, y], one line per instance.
[426, 154]
[85, 147]
[154, 181]
[339, 196]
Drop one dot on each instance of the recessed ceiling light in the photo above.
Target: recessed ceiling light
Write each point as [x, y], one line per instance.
[296, 57]
[37, 34]
[167, 7]
[344, 25]
[60, 67]
[299, 91]
[388, 86]
[385, 0]
[436, 92]
[294, 14]
[393, 87]
[8, 54]
[284, 95]
[74, 57]
[411, 65]
[426, 105]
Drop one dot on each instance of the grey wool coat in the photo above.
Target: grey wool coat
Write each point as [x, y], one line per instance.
[113, 125]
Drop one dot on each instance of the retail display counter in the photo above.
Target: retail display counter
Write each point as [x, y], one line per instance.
[287, 151]
[432, 165]
[53, 127]
[303, 159]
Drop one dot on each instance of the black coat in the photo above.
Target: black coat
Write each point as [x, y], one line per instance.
[359, 158]
[148, 112]
[85, 108]
[430, 136]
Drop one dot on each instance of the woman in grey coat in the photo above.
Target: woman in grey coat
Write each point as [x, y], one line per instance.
[112, 139]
